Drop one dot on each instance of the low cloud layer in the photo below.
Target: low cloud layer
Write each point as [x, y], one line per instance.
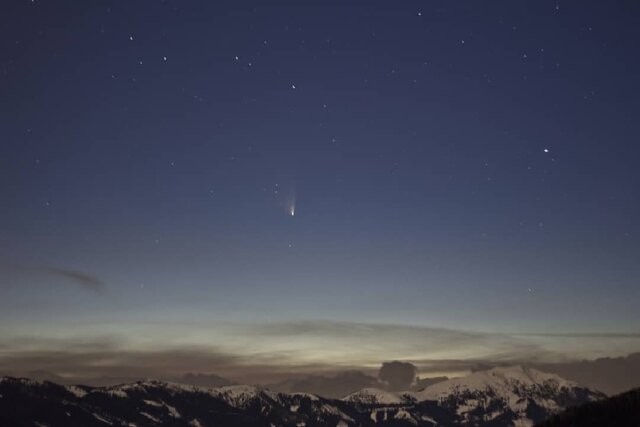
[267, 352]
[325, 357]
[99, 365]
[368, 343]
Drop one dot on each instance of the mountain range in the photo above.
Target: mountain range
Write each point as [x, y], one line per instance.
[508, 396]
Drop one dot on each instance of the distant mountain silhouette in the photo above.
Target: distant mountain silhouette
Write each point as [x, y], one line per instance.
[202, 380]
[611, 375]
[332, 387]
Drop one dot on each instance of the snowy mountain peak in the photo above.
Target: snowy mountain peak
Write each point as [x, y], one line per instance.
[502, 381]
[514, 392]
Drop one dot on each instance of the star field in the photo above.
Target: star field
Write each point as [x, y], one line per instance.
[440, 164]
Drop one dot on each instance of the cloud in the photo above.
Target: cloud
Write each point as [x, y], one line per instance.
[252, 352]
[398, 375]
[605, 335]
[372, 343]
[17, 274]
[84, 280]
[315, 356]
[94, 366]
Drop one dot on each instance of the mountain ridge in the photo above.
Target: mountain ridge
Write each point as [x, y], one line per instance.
[500, 397]
[622, 410]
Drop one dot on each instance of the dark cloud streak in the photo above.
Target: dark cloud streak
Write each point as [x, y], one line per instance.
[84, 280]
[14, 274]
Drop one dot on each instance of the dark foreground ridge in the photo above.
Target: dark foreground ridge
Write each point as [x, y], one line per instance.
[499, 397]
[622, 410]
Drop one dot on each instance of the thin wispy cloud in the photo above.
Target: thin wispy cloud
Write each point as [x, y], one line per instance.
[257, 351]
[271, 352]
[20, 274]
[612, 335]
[81, 279]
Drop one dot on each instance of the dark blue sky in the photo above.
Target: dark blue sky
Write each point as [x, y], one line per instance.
[463, 165]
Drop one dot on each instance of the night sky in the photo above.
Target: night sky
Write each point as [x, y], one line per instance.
[318, 184]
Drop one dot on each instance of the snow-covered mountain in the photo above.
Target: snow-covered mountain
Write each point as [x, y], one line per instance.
[519, 395]
[512, 396]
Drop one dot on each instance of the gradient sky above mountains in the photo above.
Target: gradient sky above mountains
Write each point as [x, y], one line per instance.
[464, 178]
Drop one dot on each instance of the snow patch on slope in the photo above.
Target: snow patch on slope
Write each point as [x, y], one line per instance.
[375, 396]
[76, 391]
[151, 417]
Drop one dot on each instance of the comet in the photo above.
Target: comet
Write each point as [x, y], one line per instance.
[290, 202]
